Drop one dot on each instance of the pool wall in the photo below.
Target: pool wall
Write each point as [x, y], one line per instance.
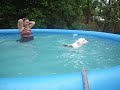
[115, 37]
[106, 79]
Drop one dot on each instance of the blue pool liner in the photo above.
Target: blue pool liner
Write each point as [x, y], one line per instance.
[105, 79]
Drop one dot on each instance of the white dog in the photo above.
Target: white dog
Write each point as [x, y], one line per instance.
[80, 42]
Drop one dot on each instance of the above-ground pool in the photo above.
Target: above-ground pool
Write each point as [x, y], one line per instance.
[45, 64]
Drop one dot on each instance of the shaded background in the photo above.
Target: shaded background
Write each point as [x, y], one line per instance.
[98, 15]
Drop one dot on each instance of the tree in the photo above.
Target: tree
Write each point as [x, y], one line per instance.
[70, 14]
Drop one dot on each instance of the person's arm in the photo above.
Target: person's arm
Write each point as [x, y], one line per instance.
[31, 24]
[20, 24]
[67, 45]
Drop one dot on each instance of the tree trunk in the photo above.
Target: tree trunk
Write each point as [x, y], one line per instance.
[88, 12]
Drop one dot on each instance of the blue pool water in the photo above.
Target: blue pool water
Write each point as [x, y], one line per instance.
[45, 55]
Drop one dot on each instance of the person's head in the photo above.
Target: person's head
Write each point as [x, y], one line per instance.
[25, 22]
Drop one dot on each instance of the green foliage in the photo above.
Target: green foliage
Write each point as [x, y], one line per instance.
[36, 15]
[68, 14]
[7, 14]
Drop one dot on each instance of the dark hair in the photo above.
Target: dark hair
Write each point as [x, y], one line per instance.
[24, 19]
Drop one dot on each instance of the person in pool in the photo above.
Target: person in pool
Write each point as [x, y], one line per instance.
[24, 26]
[80, 42]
